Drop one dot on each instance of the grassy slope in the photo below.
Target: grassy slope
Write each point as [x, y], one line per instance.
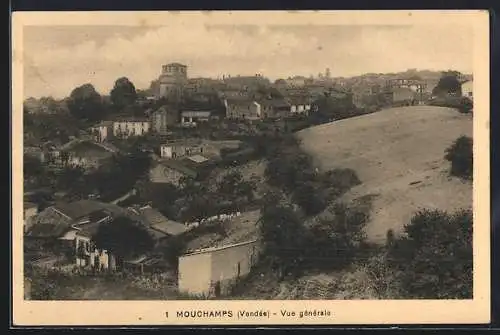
[398, 155]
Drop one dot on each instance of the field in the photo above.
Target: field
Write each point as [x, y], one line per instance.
[398, 154]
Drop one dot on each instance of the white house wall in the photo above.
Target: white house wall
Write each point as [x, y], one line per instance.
[195, 274]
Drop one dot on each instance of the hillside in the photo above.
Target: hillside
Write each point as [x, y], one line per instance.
[398, 155]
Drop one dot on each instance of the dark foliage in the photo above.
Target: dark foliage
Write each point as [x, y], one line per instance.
[434, 257]
[283, 235]
[84, 103]
[448, 84]
[461, 157]
[123, 93]
[123, 237]
[337, 239]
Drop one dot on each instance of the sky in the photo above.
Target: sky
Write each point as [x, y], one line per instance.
[60, 58]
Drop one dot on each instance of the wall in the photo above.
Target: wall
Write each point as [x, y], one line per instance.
[403, 94]
[102, 133]
[467, 89]
[163, 174]
[194, 274]
[177, 151]
[130, 128]
[250, 111]
[29, 213]
[225, 264]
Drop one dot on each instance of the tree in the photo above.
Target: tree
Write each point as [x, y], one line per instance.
[32, 167]
[461, 157]
[434, 257]
[448, 84]
[310, 198]
[71, 178]
[283, 235]
[85, 104]
[123, 237]
[233, 186]
[123, 93]
[337, 236]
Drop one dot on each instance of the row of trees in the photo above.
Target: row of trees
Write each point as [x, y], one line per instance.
[85, 103]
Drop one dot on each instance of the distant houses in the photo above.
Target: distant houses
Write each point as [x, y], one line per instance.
[467, 89]
[171, 171]
[181, 148]
[127, 126]
[163, 119]
[193, 117]
[242, 109]
[102, 131]
[86, 154]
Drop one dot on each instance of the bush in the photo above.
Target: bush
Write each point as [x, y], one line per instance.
[434, 257]
[340, 180]
[337, 237]
[461, 157]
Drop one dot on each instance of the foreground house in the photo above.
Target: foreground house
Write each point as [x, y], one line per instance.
[212, 272]
[69, 228]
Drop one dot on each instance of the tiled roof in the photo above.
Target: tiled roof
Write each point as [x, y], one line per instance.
[87, 149]
[155, 220]
[198, 158]
[48, 230]
[176, 64]
[81, 208]
[28, 204]
[177, 165]
[274, 103]
[103, 124]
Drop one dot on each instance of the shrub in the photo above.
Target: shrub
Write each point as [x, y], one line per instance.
[434, 257]
[461, 157]
[283, 235]
[310, 198]
[340, 180]
[337, 237]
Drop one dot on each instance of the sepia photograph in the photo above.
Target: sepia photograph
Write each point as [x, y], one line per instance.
[250, 167]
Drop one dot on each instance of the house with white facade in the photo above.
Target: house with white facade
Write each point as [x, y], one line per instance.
[467, 89]
[131, 126]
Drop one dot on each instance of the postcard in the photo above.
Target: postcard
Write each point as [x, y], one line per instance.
[250, 168]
